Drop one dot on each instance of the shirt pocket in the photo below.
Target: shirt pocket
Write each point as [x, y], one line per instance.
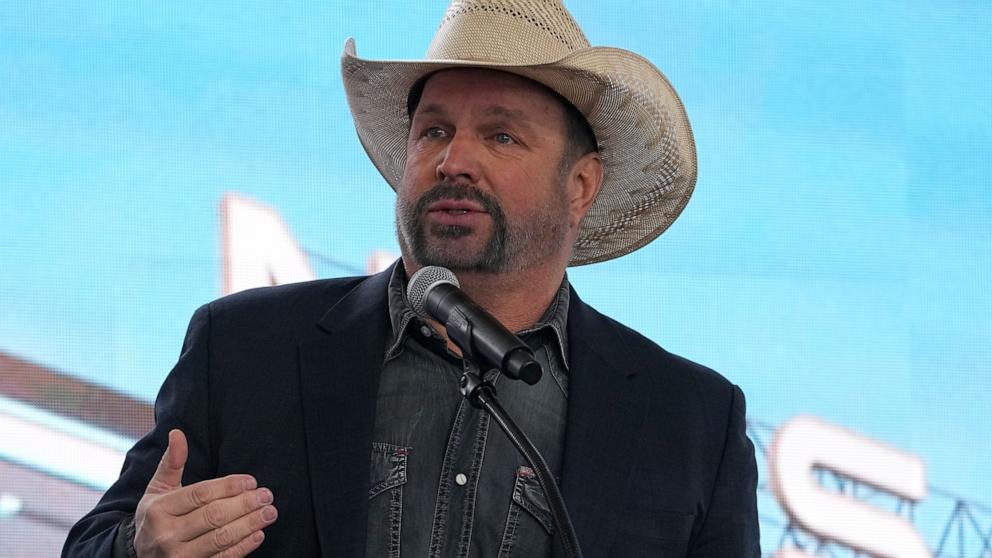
[388, 469]
[528, 522]
[387, 477]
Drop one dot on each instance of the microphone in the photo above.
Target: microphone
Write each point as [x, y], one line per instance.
[433, 291]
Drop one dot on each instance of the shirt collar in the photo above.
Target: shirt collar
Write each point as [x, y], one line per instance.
[555, 318]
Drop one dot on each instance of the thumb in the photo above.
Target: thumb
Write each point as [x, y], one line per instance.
[169, 474]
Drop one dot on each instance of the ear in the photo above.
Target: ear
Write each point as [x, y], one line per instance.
[584, 182]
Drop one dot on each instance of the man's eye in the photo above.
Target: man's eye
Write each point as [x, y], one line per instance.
[434, 132]
[503, 138]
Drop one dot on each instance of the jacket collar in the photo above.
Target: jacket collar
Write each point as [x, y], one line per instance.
[606, 410]
[339, 377]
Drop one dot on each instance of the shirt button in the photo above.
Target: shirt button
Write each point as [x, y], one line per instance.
[425, 331]
[461, 479]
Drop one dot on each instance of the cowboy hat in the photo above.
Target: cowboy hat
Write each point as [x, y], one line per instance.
[641, 128]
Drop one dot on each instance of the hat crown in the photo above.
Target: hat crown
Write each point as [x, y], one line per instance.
[645, 141]
[514, 32]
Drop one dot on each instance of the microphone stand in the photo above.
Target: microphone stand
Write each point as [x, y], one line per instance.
[482, 395]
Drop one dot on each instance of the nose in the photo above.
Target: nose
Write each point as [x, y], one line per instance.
[460, 160]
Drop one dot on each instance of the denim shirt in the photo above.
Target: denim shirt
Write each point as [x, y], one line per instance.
[445, 482]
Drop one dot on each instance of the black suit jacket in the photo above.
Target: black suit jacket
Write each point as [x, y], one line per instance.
[281, 383]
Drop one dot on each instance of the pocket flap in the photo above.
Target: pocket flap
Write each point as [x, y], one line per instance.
[388, 467]
[528, 495]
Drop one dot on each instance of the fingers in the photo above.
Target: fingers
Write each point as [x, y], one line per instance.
[169, 474]
[219, 513]
[217, 517]
[243, 548]
[236, 538]
[205, 518]
[199, 495]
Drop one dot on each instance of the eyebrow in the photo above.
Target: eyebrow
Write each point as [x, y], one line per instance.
[518, 119]
[492, 110]
[496, 110]
[430, 109]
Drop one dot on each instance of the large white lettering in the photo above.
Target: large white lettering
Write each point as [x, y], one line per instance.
[805, 443]
[258, 249]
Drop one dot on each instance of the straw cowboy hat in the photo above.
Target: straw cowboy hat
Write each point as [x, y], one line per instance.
[641, 127]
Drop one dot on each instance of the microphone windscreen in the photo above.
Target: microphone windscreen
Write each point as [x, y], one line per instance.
[423, 281]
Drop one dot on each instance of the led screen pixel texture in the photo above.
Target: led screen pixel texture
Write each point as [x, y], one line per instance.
[835, 260]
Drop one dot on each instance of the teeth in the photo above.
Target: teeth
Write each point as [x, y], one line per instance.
[457, 211]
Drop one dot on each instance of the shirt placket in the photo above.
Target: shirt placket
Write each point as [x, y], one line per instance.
[454, 514]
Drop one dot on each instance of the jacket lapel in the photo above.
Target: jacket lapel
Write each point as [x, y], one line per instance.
[339, 371]
[605, 416]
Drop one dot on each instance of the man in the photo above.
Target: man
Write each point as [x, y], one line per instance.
[324, 418]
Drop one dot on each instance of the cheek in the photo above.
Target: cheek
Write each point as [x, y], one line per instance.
[532, 187]
[417, 173]
[518, 180]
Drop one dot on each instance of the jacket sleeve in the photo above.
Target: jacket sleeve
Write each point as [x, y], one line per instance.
[731, 526]
[182, 403]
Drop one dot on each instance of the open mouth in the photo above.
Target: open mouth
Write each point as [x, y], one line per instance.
[461, 213]
[455, 207]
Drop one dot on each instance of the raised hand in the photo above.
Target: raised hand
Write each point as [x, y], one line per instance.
[218, 517]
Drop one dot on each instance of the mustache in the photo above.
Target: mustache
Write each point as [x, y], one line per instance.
[458, 191]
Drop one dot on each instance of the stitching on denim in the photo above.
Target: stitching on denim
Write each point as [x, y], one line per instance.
[395, 521]
[396, 349]
[509, 532]
[556, 317]
[439, 526]
[556, 372]
[398, 459]
[519, 487]
[472, 490]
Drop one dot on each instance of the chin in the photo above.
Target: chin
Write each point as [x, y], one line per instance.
[461, 260]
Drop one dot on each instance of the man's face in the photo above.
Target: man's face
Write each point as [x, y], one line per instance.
[483, 189]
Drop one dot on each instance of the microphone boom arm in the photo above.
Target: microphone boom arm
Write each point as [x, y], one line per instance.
[482, 395]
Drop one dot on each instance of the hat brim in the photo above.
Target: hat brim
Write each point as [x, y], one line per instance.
[645, 142]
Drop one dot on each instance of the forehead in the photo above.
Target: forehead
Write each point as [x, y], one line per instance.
[463, 87]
